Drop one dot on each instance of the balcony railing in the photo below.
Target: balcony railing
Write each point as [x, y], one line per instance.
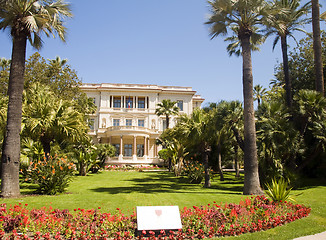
[131, 128]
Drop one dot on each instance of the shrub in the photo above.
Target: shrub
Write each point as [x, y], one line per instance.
[52, 175]
[278, 191]
[194, 171]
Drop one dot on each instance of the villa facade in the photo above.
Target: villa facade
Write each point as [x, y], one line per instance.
[126, 118]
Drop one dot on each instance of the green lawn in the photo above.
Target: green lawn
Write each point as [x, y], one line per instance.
[126, 190]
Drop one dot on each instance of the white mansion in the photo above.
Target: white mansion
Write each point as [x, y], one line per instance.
[126, 118]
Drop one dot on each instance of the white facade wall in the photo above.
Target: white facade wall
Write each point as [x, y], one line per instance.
[140, 138]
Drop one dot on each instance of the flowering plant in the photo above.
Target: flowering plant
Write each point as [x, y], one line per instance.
[250, 215]
[52, 174]
[194, 171]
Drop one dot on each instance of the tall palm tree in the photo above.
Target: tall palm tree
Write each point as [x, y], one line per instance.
[242, 16]
[285, 17]
[26, 20]
[167, 108]
[317, 46]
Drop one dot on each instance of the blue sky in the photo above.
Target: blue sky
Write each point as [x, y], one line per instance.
[163, 42]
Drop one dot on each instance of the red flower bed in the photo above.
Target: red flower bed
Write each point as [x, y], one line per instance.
[250, 215]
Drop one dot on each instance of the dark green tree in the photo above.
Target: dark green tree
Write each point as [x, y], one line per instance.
[47, 119]
[301, 65]
[26, 20]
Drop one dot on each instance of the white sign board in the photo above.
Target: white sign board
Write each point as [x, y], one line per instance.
[158, 218]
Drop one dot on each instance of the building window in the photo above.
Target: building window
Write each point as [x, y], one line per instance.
[128, 122]
[128, 150]
[141, 102]
[129, 102]
[91, 123]
[117, 102]
[116, 122]
[180, 105]
[141, 123]
[117, 149]
[164, 125]
[140, 150]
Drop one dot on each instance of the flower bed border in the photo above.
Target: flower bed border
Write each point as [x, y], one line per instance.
[250, 215]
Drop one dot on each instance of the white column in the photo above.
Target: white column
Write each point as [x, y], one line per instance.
[134, 156]
[121, 148]
[136, 102]
[148, 147]
[145, 148]
[145, 102]
[155, 150]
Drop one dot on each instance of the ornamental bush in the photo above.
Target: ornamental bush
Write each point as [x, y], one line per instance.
[194, 171]
[52, 174]
[278, 190]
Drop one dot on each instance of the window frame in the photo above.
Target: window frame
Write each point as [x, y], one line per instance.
[129, 122]
[141, 120]
[140, 150]
[178, 105]
[116, 122]
[117, 102]
[127, 148]
[141, 102]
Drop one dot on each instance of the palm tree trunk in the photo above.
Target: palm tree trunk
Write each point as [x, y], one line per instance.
[251, 178]
[206, 167]
[317, 47]
[236, 162]
[219, 162]
[11, 150]
[167, 121]
[238, 137]
[46, 143]
[82, 169]
[288, 84]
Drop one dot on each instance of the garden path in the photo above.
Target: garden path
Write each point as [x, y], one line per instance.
[318, 236]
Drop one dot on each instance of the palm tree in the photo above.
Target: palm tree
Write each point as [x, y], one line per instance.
[242, 16]
[285, 17]
[259, 93]
[56, 66]
[46, 119]
[279, 140]
[26, 20]
[167, 108]
[317, 46]
[197, 132]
